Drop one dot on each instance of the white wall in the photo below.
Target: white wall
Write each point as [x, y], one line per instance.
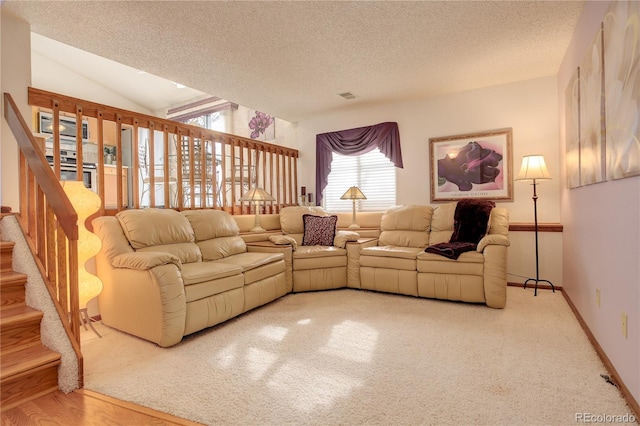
[14, 79]
[53, 77]
[601, 246]
[529, 107]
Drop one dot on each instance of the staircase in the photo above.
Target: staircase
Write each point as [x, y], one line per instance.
[27, 368]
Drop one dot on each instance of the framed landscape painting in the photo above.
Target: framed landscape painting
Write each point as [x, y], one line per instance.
[475, 165]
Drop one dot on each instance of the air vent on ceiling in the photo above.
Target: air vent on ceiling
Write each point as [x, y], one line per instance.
[347, 95]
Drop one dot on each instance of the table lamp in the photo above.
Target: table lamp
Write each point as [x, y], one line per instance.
[353, 194]
[256, 196]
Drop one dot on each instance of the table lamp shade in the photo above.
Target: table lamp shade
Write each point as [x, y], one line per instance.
[256, 194]
[533, 168]
[353, 193]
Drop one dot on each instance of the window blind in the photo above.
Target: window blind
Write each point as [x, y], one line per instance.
[372, 172]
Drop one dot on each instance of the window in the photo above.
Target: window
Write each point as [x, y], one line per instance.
[372, 172]
[213, 121]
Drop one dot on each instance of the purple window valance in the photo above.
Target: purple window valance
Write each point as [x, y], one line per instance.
[384, 136]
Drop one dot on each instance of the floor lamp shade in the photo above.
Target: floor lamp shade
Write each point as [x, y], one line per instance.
[534, 168]
[85, 202]
[256, 196]
[353, 194]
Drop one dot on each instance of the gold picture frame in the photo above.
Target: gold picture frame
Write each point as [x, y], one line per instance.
[473, 165]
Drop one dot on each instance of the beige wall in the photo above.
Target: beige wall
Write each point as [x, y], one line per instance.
[601, 246]
[14, 79]
[529, 107]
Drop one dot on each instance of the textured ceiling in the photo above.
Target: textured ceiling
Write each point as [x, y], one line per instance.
[291, 59]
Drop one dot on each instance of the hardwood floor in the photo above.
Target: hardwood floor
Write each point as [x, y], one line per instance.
[85, 408]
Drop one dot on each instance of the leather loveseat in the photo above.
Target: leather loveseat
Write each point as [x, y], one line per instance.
[399, 263]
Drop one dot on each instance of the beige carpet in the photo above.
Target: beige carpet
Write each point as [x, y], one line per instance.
[353, 357]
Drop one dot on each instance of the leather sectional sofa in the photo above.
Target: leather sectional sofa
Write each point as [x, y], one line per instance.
[167, 274]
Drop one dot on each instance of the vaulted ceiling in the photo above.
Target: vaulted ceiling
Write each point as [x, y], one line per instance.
[292, 58]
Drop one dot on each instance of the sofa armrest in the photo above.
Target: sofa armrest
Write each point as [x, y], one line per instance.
[149, 303]
[283, 240]
[492, 239]
[343, 237]
[144, 260]
[495, 275]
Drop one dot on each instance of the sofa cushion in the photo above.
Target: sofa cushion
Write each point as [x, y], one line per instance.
[442, 223]
[216, 233]
[251, 260]
[406, 226]
[499, 221]
[209, 224]
[391, 251]
[222, 247]
[160, 230]
[319, 230]
[257, 266]
[306, 252]
[291, 218]
[198, 272]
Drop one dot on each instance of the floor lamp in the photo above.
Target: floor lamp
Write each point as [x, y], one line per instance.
[353, 194]
[85, 203]
[534, 168]
[256, 196]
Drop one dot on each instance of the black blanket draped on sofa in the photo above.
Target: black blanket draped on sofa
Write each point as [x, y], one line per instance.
[471, 222]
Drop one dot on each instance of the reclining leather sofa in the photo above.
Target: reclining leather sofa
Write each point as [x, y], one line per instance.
[399, 263]
[167, 274]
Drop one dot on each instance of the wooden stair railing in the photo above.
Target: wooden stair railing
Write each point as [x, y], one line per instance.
[200, 168]
[49, 224]
[27, 368]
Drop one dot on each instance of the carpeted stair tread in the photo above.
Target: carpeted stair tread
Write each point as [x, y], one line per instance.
[26, 359]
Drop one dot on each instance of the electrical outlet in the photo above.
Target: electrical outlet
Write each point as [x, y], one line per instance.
[598, 297]
[624, 325]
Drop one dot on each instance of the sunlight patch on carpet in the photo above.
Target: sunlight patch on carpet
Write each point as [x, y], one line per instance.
[316, 387]
[352, 341]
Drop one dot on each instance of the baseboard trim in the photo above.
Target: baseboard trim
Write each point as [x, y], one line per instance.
[137, 408]
[631, 402]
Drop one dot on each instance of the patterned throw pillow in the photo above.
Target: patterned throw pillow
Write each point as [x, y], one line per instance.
[319, 230]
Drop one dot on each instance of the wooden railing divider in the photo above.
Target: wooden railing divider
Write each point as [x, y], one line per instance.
[219, 169]
[49, 223]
